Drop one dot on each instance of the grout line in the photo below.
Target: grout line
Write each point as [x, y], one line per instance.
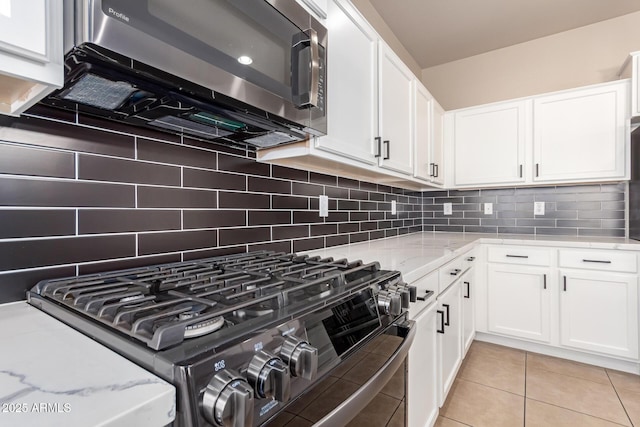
[578, 412]
[618, 396]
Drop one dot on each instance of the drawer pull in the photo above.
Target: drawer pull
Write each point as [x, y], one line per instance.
[441, 329]
[446, 322]
[427, 294]
[517, 256]
[468, 295]
[564, 287]
[599, 261]
[455, 272]
[544, 281]
[471, 258]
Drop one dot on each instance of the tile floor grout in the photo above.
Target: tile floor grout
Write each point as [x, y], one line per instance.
[492, 368]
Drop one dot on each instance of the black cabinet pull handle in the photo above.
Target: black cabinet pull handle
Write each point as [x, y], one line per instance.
[432, 170]
[471, 258]
[441, 329]
[379, 145]
[517, 256]
[537, 169]
[520, 171]
[446, 322]
[468, 295]
[437, 170]
[564, 279]
[544, 281]
[599, 261]
[388, 156]
[455, 272]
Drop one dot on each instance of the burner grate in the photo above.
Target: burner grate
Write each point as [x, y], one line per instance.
[164, 304]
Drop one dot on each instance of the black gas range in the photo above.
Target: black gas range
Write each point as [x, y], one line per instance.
[239, 336]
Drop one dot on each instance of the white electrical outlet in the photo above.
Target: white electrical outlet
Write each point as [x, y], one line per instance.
[448, 209]
[488, 208]
[324, 206]
[394, 207]
[538, 208]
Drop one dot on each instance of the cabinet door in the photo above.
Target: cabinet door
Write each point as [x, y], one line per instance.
[599, 312]
[352, 83]
[519, 301]
[489, 144]
[581, 134]
[30, 52]
[423, 113]
[449, 338]
[468, 312]
[422, 379]
[395, 109]
[437, 144]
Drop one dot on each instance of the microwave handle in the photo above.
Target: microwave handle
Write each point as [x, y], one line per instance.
[311, 97]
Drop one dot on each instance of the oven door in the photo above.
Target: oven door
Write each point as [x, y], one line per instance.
[269, 54]
[367, 388]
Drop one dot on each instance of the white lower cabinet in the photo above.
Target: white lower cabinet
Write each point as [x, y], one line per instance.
[599, 312]
[449, 338]
[519, 301]
[468, 311]
[422, 383]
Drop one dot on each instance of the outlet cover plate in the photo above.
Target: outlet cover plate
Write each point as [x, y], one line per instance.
[394, 207]
[488, 208]
[448, 208]
[324, 206]
[538, 208]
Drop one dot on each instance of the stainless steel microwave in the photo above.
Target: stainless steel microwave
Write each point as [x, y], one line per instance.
[248, 71]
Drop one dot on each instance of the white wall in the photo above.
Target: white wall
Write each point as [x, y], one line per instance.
[586, 55]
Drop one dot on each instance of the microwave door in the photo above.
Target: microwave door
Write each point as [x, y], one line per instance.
[248, 39]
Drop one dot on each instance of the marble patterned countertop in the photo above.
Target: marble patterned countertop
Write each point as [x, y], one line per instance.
[417, 254]
[52, 375]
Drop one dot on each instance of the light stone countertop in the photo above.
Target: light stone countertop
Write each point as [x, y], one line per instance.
[53, 375]
[58, 376]
[417, 254]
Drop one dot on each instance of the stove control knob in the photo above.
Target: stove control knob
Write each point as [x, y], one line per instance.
[228, 400]
[269, 377]
[301, 357]
[389, 303]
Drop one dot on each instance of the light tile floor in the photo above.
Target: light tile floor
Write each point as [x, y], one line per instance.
[500, 386]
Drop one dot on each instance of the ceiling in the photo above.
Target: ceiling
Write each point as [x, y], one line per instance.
[440, 31]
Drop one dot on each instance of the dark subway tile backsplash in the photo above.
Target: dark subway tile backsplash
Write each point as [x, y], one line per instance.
[572, 210]
[81, 195]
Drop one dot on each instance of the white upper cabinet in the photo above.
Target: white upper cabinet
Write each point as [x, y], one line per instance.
[428, 136]
[632, 65]
[489, 144]
[437, 145]
[577, 135]
[352, 85]
[396, 112]
[581, 134]
[31, 57]
[423, 133]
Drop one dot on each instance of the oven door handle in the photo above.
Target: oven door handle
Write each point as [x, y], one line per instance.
[355, 403]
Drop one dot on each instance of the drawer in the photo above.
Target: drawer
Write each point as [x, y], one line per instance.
[451, 271]
[428, 283]
[590, 259]
[524, 255]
